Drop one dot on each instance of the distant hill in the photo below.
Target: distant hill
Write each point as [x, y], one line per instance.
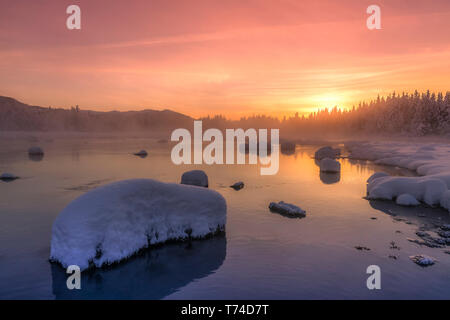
[17, 116]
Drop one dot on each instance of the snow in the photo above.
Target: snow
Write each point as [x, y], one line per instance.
[8, 176]
[287, 209]
[195, 178]
[423, 260]
[330, 165]
[431, 162]
[36, 151]
[406, 199]
[377, 175]
[327, 152]
[445, 200]
[113, 222]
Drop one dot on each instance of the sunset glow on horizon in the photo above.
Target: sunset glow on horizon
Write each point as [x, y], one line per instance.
[234, 58]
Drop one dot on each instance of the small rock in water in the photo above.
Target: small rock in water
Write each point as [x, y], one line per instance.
[444, 234]
[287, 147]
[423, 260]
[393, 257]
[327, 152]
[8, 177]
[287, 209]
[195, 178]
[373, 218]
[447, 251]
[429, 243]
[238, 185]
[394, 246]
[445, 227]
[330, 165]
[361, 248]
[36, 151]
[141, 153]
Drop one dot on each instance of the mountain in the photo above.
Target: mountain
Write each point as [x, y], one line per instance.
[17, 116]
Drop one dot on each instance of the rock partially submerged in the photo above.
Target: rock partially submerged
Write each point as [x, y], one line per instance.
[113, 222]
[327, 152]
[406, 199]
[287, 147]
[237, 186]
[195, 178]
[8, 176]
[287, 209]
[36, 151]
[141, 153]
[330, 165]
[423, 260]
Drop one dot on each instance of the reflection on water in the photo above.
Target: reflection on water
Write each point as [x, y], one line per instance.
[264, 255]
[154, 274]
[330, 177]
[36, 157]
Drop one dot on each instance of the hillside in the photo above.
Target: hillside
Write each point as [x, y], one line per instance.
[17, 116]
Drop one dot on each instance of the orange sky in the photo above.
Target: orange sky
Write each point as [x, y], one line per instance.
[234, 57]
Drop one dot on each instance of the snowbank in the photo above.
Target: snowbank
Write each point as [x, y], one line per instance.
[36, 151]
[330, 165]
[113, 222]
[431, 161]
[327, 152]
[195, 178]
[406, 199]
[287, 209]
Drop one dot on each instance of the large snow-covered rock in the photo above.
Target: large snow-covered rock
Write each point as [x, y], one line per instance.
[113, 222]
[330, 165]
[327, 152]
[430, 161]
[195, 178]
[37, 151]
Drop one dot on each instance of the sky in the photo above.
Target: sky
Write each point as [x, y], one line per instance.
[233, 57]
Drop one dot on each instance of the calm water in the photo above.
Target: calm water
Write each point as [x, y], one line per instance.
[262, 256]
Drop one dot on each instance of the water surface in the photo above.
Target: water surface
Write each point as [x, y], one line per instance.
[262, 255]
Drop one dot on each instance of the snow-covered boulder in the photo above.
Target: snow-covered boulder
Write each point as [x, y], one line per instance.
[141, 154]
[327, 152]
[330, 165]
[237, 186]
[406, 199]
[8, 176]
[113, 222]
[37, 151]
[195, 178]
[287, 209]
[377, 175]
[423, 260]
[445, 200]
